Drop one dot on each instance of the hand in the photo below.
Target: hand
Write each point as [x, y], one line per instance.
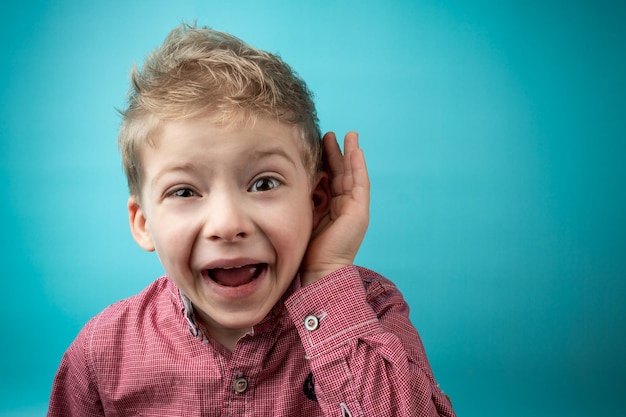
[338, 236]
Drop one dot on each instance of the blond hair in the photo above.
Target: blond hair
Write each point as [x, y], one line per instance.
[199, 71]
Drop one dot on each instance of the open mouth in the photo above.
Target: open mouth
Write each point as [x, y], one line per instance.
[236, 276]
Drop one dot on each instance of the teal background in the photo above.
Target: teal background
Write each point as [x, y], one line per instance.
[495, 134]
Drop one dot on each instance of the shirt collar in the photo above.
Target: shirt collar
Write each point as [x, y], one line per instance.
[190, 318]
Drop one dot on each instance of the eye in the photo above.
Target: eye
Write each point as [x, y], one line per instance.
[183, 193]
[264, 184]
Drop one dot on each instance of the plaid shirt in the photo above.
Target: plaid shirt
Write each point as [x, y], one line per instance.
[342, 346]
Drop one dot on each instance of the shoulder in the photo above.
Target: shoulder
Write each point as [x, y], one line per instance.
[133, 318]
[159, 296]
[121, 340]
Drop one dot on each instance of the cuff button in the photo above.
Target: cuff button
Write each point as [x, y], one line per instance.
[311, 322]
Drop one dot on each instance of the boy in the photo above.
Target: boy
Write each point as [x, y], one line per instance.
[261, 312]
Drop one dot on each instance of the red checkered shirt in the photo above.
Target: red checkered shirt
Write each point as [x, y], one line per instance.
[342, 346]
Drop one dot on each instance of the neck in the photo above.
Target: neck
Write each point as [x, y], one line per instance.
[227, 337]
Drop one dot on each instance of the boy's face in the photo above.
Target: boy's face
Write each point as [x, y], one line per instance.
[230, 211]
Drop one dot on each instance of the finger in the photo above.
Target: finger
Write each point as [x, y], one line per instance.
[334, 162]
[350, 144]
[360, 177]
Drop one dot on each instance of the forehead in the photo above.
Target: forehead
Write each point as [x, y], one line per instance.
[209, 137]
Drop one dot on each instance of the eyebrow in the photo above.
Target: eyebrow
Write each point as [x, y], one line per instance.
[270, 152]
[255, 155]
[186, 167]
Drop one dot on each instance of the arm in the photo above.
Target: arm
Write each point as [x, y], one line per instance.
[74, 393]
[366, 356]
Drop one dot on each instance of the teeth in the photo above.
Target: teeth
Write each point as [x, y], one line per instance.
[226, 268]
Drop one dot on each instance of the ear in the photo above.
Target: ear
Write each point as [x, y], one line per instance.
[320, 195]
[139, 225]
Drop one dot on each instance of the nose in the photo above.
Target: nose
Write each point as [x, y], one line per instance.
[227, 218]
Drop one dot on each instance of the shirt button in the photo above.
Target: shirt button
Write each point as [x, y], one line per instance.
[311, 322]
[240, 385]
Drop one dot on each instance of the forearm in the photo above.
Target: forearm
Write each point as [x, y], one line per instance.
[365, 355]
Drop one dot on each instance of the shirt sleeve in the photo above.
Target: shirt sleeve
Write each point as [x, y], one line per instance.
[74, 392]
[366, 357]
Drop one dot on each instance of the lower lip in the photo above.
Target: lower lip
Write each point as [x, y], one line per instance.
[239, 292]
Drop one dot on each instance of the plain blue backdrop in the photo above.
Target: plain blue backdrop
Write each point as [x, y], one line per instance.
[495, 134]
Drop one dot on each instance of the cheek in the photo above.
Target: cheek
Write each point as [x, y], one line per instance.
[173, 243]
[291, 228]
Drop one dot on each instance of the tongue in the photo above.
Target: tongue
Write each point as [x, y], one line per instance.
[235, 277]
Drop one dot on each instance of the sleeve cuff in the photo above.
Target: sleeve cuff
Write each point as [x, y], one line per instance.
[332, 312]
